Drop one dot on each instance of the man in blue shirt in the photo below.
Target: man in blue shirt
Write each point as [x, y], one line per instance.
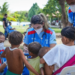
[71, 12]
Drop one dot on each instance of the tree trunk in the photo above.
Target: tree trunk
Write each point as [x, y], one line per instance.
[64, 17]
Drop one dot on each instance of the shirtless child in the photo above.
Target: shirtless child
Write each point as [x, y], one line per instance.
[14, 55]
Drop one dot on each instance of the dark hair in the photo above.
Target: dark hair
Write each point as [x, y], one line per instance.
[43, 51]
[34, 47]
[1, 34]
[15, 38]
[37, 19]
[9, 22]
[5, 14]
[40, 19]
[68, 32]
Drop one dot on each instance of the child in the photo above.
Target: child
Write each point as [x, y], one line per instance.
[45, 68]
[10, 29]
[14, 55]
[2, 39]
[60, 54]
[2, 48]
[35, 59]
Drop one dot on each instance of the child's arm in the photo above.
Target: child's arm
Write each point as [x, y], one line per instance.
[42, 61]
[42, 71]
[27, 64]
[3, 66]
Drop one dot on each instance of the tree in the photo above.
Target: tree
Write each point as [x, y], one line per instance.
[56, 5]
[33, 11]
[64, 17]
[23, 16]
[4, 8]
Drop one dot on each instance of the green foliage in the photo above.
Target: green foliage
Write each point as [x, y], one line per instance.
[1, 17]
[4, 8]
[33, 11]
[52, 7]
[20, 16]
[23, 16]
[23, 29]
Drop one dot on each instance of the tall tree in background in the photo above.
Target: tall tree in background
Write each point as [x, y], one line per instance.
[51, 7]
[64, 17]
[23, 16]
[33, 11]
[4, 8]
[56, 5]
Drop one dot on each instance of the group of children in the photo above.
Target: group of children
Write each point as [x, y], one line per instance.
[43, 61]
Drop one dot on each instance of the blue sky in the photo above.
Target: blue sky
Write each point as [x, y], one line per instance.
[22, 5]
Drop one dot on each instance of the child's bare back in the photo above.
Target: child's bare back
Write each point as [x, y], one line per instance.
[14, 55]
[14, 61]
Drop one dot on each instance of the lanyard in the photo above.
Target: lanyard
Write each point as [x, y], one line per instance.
[41, 38]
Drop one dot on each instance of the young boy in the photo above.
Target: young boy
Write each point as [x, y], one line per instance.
[14, 55]
[10, 29]
[35, 59]
[2, 48]
[61, 54]
[45, 69]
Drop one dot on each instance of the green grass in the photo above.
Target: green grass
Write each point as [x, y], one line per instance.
[22, 29]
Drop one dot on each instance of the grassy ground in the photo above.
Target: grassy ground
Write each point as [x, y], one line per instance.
[22, 29]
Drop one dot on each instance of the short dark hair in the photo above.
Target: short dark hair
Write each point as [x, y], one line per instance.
[1, 34]
[68, 32]
[5, 14]
[34, 47]
[9, 22]
[37, 19]
[43, 51]
[15, 38]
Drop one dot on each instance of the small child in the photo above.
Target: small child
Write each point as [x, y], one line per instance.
[35, 59]
[60, 54]
[2, 39]
[14, 55]
[2, 48]
[45, 69]
[10, 29]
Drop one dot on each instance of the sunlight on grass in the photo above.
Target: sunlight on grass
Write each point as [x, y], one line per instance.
[23, 29]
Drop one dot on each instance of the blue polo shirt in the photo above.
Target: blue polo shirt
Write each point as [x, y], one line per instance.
[52, 38]
[71, 16]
